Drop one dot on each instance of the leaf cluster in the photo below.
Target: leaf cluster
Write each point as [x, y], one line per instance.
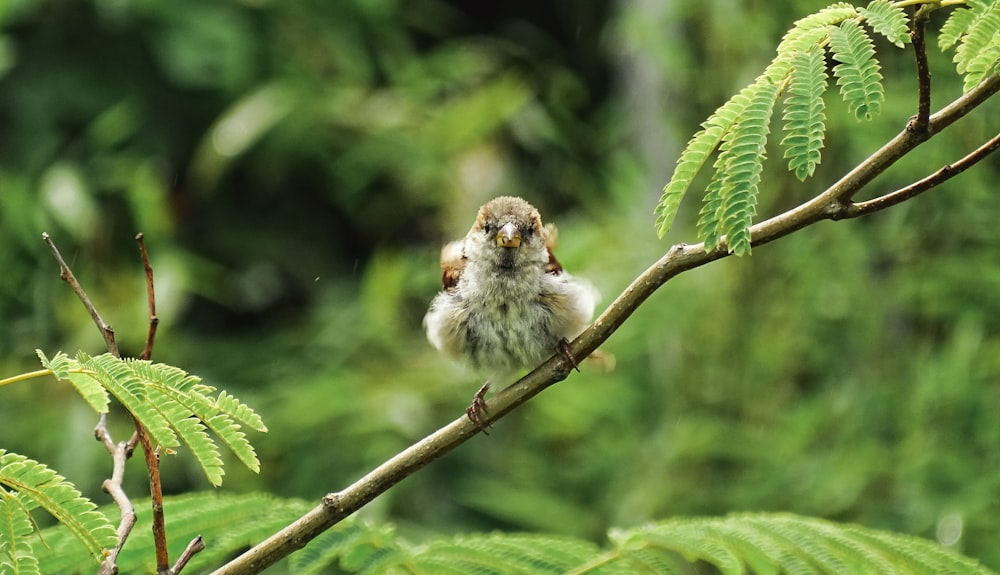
[173, 405]
[739, 129]
[226, 522]
[734, 544]
[26, 485]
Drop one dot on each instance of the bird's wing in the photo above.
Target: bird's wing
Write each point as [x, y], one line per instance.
[551, 234]
[452, 263]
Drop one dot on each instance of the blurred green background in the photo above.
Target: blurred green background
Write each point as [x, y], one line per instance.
[296, 166]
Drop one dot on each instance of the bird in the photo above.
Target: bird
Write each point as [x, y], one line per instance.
[506, 303]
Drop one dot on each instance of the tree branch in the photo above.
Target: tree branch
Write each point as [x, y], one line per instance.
[831, 204]
[946, 172]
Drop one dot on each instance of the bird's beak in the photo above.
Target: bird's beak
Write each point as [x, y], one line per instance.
[509, 236]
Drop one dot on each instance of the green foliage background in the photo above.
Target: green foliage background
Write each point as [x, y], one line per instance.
[295, 167]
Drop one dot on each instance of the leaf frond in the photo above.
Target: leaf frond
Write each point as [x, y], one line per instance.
[64, 368]
[858, 71]
[784, 543]
[240, 412]
[978, 37]
[227, 523]
[955, 27]
[15, 528]
[130, 390]
[804, 113]
[731, 198]
[181, 399]
[889, 20]
[809, 30]
[173, 405]
[26, 484]
[694, 156]
[763, 544]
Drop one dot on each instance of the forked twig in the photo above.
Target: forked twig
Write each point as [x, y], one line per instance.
[121, 452]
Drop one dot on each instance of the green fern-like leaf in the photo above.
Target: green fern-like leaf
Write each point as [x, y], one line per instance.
[858, 72]
[955, 27]
[763, 544]
[66, 369]
[241, 413]
[811, 30]
[709, 222]
[888, 20]
[183, 401]
[349, 539]
[804, 117]
[59, 365]
[228, 523]
[173, 405]
[130, 390]
[694, 156]
[170, 393]
[15, 528]
[734, 199]
[782, 543]
[978, 51]
[26, 484]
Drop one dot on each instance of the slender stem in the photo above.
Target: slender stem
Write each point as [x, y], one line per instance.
[25, 376]
[152, 456]
[156, 494]
[946, 172]
[66, 275]
[197, 544]
[120, 453]
[830, 204]
[154, 321]
[918, 39]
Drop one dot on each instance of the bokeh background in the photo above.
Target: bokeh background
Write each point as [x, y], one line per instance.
[296, 166]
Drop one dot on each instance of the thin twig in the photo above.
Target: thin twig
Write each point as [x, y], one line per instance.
[67, 275]
[831, 204]
[156, 494]
[197, 544]
[918, 39]
[120, 453]
[154, 321]
[152, 456]
[942, 175]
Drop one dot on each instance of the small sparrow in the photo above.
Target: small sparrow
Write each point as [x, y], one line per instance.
[507, 304]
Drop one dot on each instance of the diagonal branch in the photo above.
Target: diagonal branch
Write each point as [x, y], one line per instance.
[67, 276]
[830, 204]
[944, 174]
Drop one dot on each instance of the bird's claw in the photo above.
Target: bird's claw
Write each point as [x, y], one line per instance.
[477, 411]
[562, 348]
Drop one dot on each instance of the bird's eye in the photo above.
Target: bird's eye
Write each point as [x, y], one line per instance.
[489, 228]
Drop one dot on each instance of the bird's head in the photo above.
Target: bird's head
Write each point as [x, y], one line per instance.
[508, 234]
